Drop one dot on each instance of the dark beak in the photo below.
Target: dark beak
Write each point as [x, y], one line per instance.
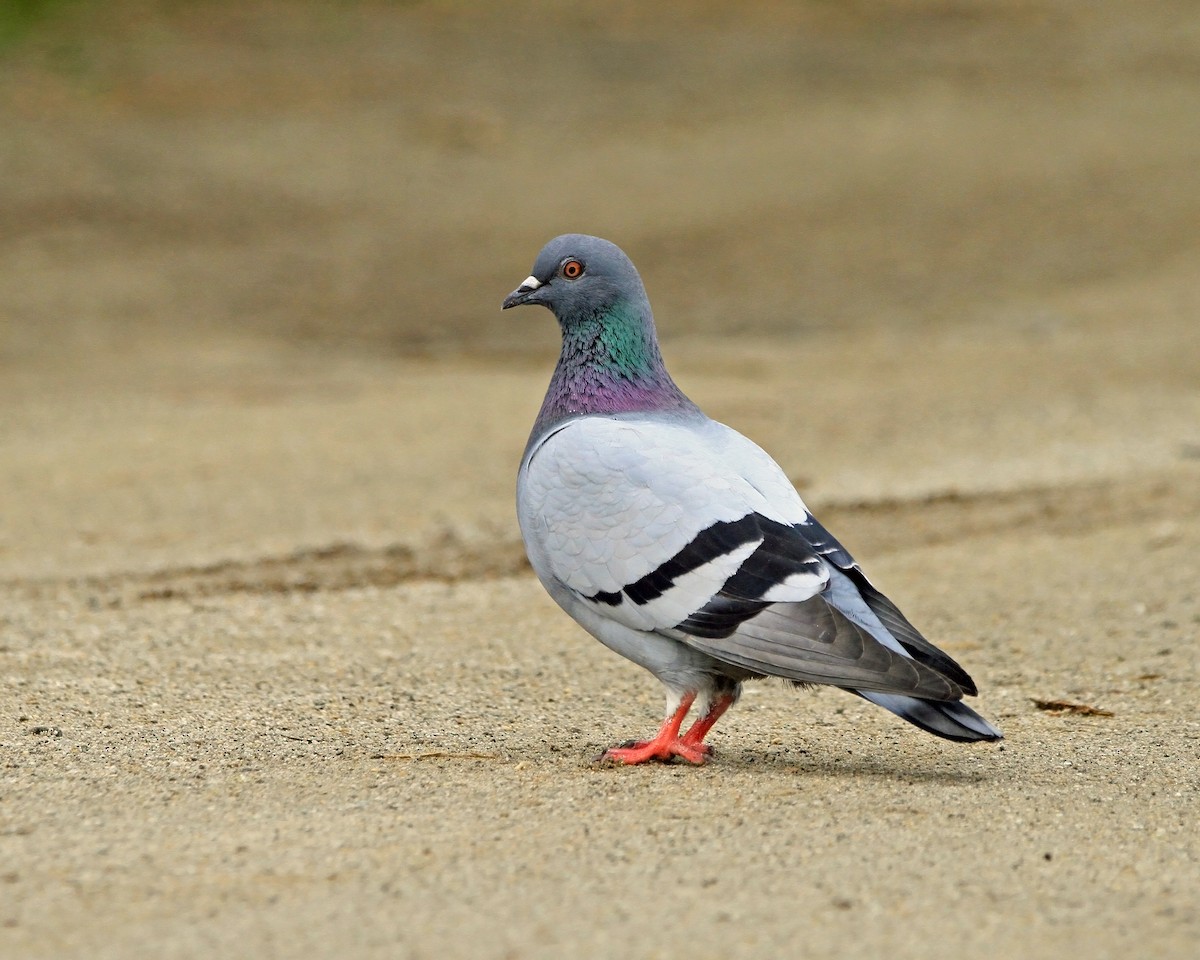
[522, 294]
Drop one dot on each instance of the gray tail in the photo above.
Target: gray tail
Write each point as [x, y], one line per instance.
[951, 719]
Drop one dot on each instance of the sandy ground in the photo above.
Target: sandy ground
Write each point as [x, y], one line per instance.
[275, 678]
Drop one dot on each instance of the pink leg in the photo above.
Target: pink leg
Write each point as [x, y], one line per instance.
[699, 730]
[667, 743]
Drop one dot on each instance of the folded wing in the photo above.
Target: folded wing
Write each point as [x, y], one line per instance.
[693, 532]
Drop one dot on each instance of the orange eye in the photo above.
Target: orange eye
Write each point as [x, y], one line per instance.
[571, 269]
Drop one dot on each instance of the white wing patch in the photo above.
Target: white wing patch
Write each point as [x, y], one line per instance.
[687, 594]
[798, 587]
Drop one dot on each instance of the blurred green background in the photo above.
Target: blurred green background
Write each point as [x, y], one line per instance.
[377, 175]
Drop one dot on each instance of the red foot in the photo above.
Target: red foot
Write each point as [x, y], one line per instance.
[699, 730]
[668, 744]
[660, 748]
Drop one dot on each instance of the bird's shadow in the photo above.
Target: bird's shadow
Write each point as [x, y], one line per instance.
[856, 766]
[863, 766]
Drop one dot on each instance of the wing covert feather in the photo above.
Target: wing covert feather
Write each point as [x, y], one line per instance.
[618, 497]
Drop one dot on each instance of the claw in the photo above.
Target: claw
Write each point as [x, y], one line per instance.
[668, 744]
[661, 750]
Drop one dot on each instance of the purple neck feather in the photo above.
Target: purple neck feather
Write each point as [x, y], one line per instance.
[610, 363]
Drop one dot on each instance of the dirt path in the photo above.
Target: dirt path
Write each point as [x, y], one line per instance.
[274, 677]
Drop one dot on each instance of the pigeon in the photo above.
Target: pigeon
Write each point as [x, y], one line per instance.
[681, 545]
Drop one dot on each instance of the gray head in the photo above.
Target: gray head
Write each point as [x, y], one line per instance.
[579, 276]
[610, 361]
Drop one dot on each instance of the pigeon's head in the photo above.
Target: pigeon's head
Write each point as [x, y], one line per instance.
[578, 276]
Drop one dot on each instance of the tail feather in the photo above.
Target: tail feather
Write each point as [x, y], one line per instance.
[951, 719]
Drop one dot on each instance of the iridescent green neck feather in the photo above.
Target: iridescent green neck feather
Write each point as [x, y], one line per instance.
[610, 363]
